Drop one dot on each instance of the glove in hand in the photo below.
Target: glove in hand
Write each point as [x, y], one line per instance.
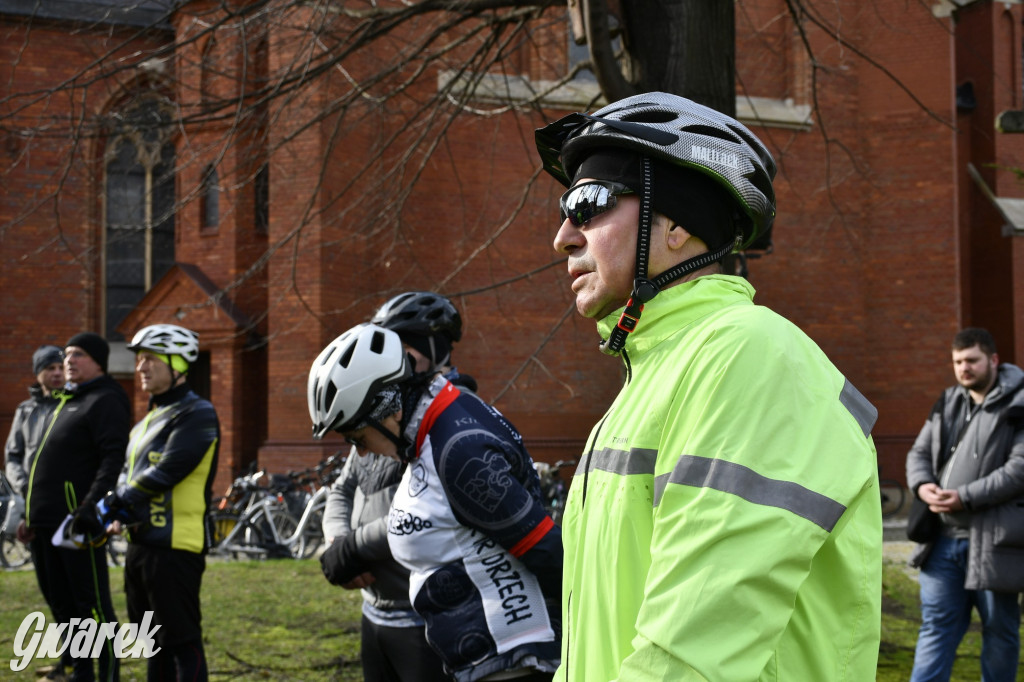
[85, 521]
[112, 508]
[341, 562]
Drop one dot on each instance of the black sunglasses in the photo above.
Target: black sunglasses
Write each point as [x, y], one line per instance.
[586, 201]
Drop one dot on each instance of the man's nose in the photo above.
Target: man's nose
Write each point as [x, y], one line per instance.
[568, 238]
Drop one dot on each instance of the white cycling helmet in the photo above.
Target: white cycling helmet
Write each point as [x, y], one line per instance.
[167, 339]
[349, 373]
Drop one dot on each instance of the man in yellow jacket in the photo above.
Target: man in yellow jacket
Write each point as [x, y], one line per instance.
[724, 522]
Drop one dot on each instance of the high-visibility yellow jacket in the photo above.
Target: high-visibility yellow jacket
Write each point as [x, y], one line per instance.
[724, 522]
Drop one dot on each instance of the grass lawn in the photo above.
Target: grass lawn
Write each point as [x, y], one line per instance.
[280, 620]
[262, 620]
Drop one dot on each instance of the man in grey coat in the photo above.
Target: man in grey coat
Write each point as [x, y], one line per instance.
[967, 465]
[32, 415]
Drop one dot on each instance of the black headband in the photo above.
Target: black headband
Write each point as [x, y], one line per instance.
[689, 198]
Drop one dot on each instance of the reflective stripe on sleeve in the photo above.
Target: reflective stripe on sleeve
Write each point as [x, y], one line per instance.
[863, 411]
[736, 479]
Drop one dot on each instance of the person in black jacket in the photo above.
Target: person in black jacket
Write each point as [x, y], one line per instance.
[163, 501]
[77, 462]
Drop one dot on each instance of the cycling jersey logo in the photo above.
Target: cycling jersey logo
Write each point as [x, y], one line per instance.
[417, 480]
[485, 480]
[403, 523]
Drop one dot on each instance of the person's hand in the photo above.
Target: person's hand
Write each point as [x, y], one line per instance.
[340, 562]
[360, 581]
[112, 508]
[929, 493]
[946, 501]
[940, 500]
[24, 534]
[85, 521]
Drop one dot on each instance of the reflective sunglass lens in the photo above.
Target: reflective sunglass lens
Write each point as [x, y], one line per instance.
[583, 203]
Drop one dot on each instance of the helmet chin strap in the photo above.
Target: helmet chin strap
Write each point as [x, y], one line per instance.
[401, 445]
[644, 288]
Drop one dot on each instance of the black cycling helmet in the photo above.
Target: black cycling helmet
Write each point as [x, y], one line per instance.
[420, 312]
[426, 321]
[667, 129]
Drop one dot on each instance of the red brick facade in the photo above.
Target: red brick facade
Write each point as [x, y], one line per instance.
[884, 246]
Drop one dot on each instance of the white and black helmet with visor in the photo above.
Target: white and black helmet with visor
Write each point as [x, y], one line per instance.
[348, 376]
[178, 346]
[167, 339]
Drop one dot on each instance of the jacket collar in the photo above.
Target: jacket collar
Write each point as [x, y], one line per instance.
[90, 385]
[169, 396]
[677, 307]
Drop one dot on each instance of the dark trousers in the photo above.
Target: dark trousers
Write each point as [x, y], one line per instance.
[75, 584]
[166, 582]
[398, 655]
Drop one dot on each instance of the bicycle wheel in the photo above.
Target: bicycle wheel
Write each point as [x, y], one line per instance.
[258, 533]
[221, 523]
[312, 536]
[893, 496]
[13, 554]
[116, 548]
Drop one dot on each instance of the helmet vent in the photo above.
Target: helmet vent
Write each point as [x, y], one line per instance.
[377, 343]
[711, 132]
[330, 390]
[346, 357]
[651, 116]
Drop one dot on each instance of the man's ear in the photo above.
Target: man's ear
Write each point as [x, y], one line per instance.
[676, 236]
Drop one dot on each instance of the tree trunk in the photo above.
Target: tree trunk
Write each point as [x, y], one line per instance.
[686, 47]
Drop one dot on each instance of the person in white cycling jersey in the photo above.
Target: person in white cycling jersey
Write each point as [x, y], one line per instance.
[467, 518]
[393, 645]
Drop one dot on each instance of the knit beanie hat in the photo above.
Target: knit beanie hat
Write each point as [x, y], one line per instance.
[44, 357]
[93, 344]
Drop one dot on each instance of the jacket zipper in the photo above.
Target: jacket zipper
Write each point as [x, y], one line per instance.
[583, 502]
[63, 397]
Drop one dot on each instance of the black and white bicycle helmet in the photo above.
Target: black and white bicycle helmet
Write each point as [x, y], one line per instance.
[348, 375]
[167, 339]
[678, 131]
[666, 128]
[420, 312]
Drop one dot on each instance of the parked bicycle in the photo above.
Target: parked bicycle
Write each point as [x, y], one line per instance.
[553, 487]
[13, 554]
[281, 519]
[893, 495]
[305, 493]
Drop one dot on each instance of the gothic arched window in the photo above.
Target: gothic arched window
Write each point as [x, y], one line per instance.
[138, 243]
